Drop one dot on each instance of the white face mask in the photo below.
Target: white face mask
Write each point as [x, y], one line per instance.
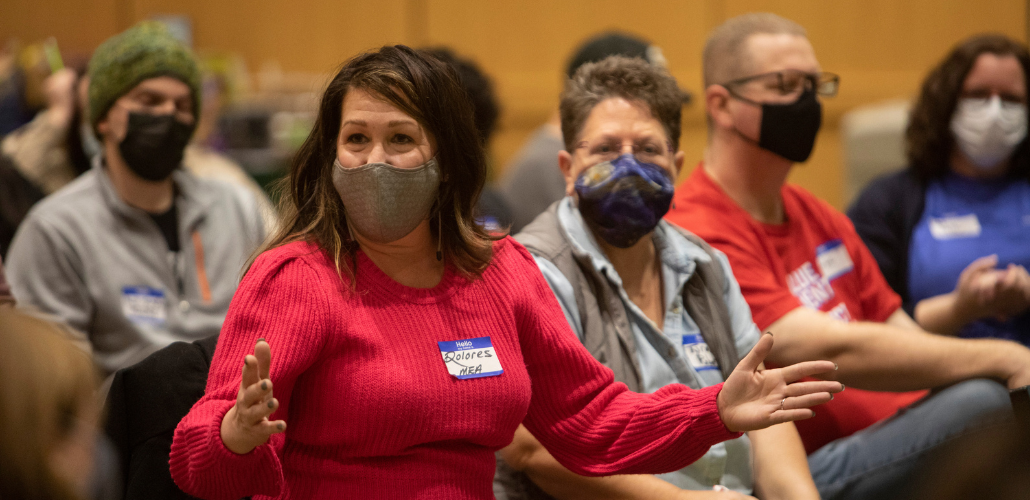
[988, 130]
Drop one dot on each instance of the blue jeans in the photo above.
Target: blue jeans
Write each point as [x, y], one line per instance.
[879, 461]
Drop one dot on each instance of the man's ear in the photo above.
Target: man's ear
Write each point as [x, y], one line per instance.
[677, 163]
[565, 164]
[717, 100]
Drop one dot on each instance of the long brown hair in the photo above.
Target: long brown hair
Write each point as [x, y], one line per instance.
[47, 386]
[425, 89]
[928, 136]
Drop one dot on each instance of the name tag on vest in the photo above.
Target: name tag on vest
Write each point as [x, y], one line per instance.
[472, 358]
[954, 227]
[698, 354]
[833, 259]
[142, 304]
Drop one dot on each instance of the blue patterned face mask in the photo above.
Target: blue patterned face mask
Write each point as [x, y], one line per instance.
[623, 199]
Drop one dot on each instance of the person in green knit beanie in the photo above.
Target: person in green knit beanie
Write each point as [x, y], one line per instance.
[144, 99]
[137, 252]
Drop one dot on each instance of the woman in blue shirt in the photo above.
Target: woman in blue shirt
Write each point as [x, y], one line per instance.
[952, 231]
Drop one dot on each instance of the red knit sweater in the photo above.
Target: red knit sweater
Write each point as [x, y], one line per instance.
[372, 411]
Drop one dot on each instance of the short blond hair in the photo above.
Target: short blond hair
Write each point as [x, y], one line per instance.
[47, 385]
[725, 57]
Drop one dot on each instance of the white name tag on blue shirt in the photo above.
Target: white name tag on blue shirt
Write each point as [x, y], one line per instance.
[698, 354]
[955, 226]
[142, 304]
[833, 259]
[472, 358]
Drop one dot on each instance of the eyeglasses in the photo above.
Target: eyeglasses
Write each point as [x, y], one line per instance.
[792, 81]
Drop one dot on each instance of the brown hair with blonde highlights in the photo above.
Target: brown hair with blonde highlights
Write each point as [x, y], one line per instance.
[47, 389]
[427, 90]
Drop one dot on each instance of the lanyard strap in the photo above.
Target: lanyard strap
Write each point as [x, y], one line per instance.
[198, 252]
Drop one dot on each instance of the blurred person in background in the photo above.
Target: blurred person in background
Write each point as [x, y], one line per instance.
[137, 253]
[49, 150]
[49, 410]
[59, 144]
[532, 181]
[203, 157]
[991, 465]
[494, 214]
[652, 302]
[811, 281]
[6, 297]
[951, 233]
[409, 342]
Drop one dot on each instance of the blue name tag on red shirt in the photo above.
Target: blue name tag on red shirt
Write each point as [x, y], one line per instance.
[472, 358]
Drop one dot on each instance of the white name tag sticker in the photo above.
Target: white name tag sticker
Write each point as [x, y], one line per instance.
[954, 227]
[472, 358]
[833, 259]
[142, 304]
[698, 353]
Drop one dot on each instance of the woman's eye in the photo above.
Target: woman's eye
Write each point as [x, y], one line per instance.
[357, 139]
[403, 139]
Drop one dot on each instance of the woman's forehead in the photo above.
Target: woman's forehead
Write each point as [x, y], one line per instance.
[364, 103]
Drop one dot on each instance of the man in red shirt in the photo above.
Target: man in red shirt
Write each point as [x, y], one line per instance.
[809, 279]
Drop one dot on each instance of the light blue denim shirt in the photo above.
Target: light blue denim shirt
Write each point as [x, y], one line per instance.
[661, 354]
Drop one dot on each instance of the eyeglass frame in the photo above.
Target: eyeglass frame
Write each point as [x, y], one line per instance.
[814, 78]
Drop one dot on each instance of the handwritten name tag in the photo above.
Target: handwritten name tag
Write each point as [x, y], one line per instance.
[142, 304]
[472, 358]
[833, 259]
[698, 353]
[959, 226]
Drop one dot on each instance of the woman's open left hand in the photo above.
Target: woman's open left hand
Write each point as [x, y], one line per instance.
[246, 425]
[753, 399]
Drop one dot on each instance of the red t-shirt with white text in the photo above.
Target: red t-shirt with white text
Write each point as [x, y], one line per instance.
[816, 260]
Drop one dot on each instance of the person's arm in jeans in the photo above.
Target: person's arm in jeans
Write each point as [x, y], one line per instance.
[526, 454]
[885, 357]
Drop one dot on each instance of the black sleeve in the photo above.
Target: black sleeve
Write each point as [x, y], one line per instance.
[884, 215]
[146, 403]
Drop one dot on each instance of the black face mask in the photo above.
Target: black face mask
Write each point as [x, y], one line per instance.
[789, 130]
[154, 145]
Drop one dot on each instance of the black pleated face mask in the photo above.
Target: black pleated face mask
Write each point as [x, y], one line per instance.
[789, 130]
[154, 145]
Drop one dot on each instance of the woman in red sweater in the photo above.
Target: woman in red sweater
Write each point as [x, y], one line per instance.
[410, 344]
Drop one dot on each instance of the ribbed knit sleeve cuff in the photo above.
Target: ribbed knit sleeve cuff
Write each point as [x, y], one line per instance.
[202, 466]
[708, 426]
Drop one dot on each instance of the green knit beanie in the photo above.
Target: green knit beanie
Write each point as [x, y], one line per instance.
[146, 50]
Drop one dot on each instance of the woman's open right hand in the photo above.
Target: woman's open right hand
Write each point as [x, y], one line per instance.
[246, 425]
[753, 398]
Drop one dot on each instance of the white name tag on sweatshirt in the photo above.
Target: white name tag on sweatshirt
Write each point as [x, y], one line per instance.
[142, 304]
[954, 227]
[472, 358]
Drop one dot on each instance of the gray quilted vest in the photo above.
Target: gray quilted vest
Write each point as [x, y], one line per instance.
[605, 323]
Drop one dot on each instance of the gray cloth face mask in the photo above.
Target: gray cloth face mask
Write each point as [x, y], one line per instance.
[383, 202]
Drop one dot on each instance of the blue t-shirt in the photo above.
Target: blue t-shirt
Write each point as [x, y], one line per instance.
[966, 219]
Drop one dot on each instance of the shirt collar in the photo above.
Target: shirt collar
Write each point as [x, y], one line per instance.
[679, 255]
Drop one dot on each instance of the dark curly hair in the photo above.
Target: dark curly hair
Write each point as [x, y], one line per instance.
[479, 88]
[629, 78]
[928, 136]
